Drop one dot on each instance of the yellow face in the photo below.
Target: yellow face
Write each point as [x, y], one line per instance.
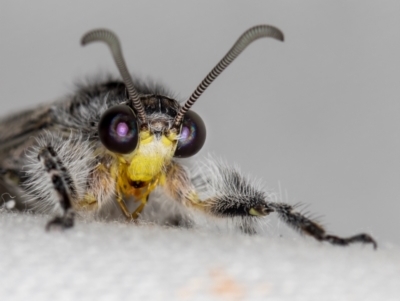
[147, 163]
[152, 155]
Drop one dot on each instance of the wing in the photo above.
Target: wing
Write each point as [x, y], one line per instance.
[17, 128]
[23, 123]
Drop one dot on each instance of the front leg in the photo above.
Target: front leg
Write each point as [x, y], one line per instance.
[63, 187]
[305, 225]
[222, 191]
[232, 197]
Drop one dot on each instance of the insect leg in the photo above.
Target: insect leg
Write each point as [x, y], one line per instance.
[122, 205]
[138, 210]
[62, 184]
[223, 202]
[222, 191]
[305, 225]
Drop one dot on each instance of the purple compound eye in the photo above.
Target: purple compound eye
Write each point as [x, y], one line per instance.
[118, 129]
[192, 136]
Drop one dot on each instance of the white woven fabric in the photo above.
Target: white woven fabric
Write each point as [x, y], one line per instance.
[119, 261]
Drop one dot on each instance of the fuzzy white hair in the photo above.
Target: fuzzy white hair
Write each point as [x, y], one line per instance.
[74, 151]
[214, 178]
[217, 183]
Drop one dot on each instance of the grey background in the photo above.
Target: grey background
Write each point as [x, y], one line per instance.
[317, 115]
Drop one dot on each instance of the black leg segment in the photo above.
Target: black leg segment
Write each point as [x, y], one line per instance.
[63, 187]
[305, 225]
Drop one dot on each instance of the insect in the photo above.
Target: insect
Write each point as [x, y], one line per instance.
[115, 142]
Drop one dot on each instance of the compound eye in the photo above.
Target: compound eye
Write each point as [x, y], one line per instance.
[118, 129]
[192, 136]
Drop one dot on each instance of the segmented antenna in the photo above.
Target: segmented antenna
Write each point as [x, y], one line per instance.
[252, 34]
[112, 41]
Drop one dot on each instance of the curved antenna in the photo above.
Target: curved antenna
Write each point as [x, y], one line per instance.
[107, 36]
[252, 34]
